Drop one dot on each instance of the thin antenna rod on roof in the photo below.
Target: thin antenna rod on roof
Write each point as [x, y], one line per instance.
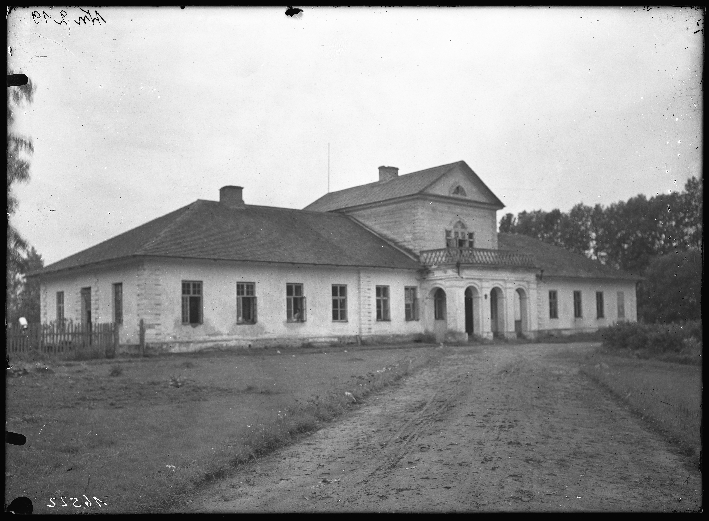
[328, 168]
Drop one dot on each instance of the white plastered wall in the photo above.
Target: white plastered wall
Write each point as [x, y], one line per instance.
[219, 301]
[589, 321]
[100, 280]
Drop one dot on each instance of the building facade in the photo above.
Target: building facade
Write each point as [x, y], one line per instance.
[405, 257]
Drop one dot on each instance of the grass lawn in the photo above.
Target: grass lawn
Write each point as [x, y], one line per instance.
[134, 433]
[668, 395]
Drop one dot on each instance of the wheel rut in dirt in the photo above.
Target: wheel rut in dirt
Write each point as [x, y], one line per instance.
[496, 428]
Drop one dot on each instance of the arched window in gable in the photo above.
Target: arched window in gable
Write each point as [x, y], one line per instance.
[459, 191]
[459, 236]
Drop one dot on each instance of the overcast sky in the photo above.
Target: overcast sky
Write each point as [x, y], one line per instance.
[153, 108]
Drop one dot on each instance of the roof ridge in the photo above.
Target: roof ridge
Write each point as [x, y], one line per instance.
[452, 165]
[266, 207]
[395, 179]
[187, 209]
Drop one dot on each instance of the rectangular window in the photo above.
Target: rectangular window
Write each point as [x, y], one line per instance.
[599, 305]
[450, 243]
[339, 303]
[295, 303]
[382, 293]
[191, 302]
[60, 306]
[411, 304]
[460, 239]
[577, 304]
[621, 305]
[118, 303]
[553, 304]
[245, 303]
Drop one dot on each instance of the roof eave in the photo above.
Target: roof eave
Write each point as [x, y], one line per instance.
[217, 259]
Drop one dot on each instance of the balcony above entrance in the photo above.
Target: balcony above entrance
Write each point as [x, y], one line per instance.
[475, 256]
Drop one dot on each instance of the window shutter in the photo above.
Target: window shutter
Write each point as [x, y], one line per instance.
[255, 308]
[305, 306]
[416, 308]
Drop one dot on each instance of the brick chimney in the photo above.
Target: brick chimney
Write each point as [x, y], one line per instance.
[231, 196]
[387, 173]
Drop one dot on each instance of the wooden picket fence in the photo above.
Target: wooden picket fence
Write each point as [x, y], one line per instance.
[65, 340]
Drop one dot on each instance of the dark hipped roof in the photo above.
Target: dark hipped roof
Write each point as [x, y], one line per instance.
[401, 186]
[211, 230]
[559, 262]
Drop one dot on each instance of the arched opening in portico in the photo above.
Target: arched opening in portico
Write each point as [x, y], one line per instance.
[472, 311]
[440, 322]
[521, 324]
[497, 313]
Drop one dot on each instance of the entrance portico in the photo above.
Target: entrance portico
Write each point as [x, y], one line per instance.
[477, 304]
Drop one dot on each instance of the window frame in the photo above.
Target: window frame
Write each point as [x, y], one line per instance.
[60, 307]
[578, 304]
[411, 303]
[188, 298]
[297, 290]
[246, 292]
[459, 236]
[118, 302]
[339, 302]
[383, 307]
[600, 306]
[621, 305]
[553, 304]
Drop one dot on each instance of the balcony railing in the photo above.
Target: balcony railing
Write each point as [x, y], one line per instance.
[475, 256]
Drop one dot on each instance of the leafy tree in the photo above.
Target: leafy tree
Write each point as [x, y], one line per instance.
[508, 223]
[18, 150]
[671, 290]
[692, 218]
[576, 232]
[24, 292]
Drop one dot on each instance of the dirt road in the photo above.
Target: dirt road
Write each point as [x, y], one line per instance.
[493, 428]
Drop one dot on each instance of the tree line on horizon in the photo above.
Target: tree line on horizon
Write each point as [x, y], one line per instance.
[660, 239]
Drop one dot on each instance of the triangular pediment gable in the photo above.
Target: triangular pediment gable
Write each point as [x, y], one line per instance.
[463, 183]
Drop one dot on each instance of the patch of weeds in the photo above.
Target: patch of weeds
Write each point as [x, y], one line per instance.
[116, 370]
[177, 381]
[187, 364]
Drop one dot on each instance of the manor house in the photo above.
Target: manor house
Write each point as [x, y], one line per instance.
[402, 258]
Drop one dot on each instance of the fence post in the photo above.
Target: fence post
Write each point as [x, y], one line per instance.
[142, 337]
[116, 338]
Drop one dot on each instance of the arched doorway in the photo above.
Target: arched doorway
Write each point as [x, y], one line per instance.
[440, 323]
[472, 311]
[521, 326]
[497, 314]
